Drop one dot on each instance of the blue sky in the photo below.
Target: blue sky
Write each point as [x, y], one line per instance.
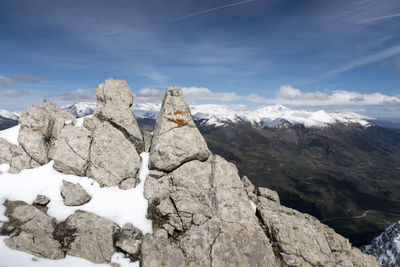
[255, 52]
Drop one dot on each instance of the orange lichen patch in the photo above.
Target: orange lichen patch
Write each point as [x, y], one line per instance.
[179, 122]
[110, 99]
[168, 103]
[169, 113]
[178, 112]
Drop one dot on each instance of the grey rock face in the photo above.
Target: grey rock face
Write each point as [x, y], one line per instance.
[6, 151]
[74, 194]
[204, 207]
[264, 192]
[91, 236]
[301, 240]
[176, 138]
[31, 230]
[113, 158]
[114, 99]
[159, 252]
[40, 127]
[129, 241]
[72, 150]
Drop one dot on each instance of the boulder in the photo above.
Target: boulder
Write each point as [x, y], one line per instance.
[114, 99]
[90, 236]
[301, 240]
[74, 194]
[176, 138]
[31, 230]
[6, 151]
[40, 127]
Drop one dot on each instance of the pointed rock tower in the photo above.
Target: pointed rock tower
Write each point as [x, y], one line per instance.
[176, 138]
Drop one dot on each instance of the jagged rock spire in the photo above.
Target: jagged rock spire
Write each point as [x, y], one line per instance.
[176, 138]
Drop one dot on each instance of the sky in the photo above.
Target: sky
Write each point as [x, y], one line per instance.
[325, 54]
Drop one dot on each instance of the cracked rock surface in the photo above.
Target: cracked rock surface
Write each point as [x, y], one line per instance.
[40, 127]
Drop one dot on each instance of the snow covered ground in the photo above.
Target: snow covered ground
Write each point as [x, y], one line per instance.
[119, 206]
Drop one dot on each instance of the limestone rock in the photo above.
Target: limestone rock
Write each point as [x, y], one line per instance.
[114, 99]
[72, 150]
[301, 240]
[129, 241]
[159, 252]
[113, 158]
[41, 200]
[176, 138]
[40, 127]
[6, 151]
[208, 213]
[91, 236]
[250, 189]
[74, 194]
[268, 194]
[31, 230]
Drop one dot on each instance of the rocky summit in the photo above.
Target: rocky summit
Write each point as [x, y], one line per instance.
[203, 213]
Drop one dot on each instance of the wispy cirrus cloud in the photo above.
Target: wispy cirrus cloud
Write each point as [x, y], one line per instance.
[17, 78]
[13, 93]
[211, 10]
[293, 96]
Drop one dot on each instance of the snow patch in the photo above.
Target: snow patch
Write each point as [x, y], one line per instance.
[11, 134]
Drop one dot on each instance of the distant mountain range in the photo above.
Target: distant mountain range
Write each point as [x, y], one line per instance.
[342, 168]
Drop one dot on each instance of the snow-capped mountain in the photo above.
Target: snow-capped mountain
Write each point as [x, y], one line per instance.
[80, 109]
[220, 115]
[10, 115]
[386, 247]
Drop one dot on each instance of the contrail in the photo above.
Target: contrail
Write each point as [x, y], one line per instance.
[211, 9]
[380, 18]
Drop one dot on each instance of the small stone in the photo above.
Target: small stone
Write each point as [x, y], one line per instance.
[6, 151]
[129, 241]
[74, 194]
[156, 174]
[41, 200]
[129, 183]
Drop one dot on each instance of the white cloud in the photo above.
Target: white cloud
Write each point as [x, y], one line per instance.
[289, 95]
[191, 93]
[12, 93]
[76, 95]
[149, 95]
[202, 93]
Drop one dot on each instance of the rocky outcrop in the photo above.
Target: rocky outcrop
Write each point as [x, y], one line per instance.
[6, 151]
[301, 240]
[176, 138]
[203, 213]
[386, 246]
[107, 147]
[31, 230]
[74, 194]
[40, 127]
